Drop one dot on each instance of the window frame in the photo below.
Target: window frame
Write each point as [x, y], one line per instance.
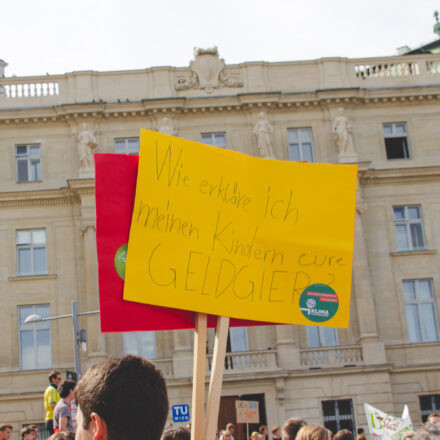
[418, 302]
[321, 336]
[138, 336]
[212, 135]
[394, 135]
[424, 413]
[338, 417]
[31, 246]
[34, 327]
[126, 145]
[300, 143]
[407, 221]
[28, 158]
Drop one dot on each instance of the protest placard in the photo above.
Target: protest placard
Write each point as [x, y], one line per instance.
[386, 427]
[247, 411]
[219, 232]
[115, 188]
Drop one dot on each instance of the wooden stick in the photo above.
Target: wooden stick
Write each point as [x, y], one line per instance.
[215, 385]
[199, 372]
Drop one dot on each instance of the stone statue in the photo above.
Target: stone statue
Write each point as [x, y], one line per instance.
[86, 144]
[166, 127]
[263, 131]
[342, 131]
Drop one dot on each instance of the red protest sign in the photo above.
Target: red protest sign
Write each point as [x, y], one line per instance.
[115, 188]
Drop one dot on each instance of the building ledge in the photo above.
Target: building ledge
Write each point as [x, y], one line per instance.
[415, 252]
[50, 276]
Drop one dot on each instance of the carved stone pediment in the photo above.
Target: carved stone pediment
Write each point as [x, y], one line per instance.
[207, 72]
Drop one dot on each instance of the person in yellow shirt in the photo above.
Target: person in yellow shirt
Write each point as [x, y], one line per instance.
[51, 398]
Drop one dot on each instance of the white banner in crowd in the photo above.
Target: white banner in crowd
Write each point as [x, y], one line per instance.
[385, 427]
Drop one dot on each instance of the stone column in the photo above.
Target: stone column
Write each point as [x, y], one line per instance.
[182, 354]
[90, 301]
[287, 350]
[373, 349]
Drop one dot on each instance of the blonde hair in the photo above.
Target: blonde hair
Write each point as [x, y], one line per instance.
[254, 435]
[313, 432]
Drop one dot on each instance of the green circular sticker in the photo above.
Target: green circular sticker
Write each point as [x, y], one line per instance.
[319, 302]
[120, 259]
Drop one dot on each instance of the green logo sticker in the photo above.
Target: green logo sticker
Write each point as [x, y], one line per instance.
[319, 302]
[120, 259]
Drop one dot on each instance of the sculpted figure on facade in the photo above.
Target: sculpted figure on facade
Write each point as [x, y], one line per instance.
[343, 134]
[86, 145]
[263, 131]
[207, 72]
[166, 127]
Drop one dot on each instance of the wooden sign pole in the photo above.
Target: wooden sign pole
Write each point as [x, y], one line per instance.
[215, 385]
[199, 372]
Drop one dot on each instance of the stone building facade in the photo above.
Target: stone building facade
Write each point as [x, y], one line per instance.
[390, 127]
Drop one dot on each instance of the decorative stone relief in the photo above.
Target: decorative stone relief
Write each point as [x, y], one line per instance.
[166, 126]
[86, 146]
[343, 133]
[207, 72]
[263, 131]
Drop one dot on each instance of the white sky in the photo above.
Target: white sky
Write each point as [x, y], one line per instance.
[57, 36]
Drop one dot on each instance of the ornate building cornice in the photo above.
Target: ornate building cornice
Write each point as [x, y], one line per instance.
[355, 96]
[400, 176]
[48, 197]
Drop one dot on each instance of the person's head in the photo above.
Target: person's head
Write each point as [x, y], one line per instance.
[188, 427]
[291, 427]
[276, 432]
[54, 377]
[27, 433]
[429, 431]
[121, 399]
[433, 418]
[35, 429]
[263, 430]
[360, 431]
[176, 434]
[5, 431]
[314, 432]
[409, 435]
[254, 435]
[230, 428]
[66, 389]
[343, 434]
[64, 435]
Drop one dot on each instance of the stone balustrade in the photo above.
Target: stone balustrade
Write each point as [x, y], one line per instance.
[247, 361]
[324, 357]
[30, 90]
[122, 87]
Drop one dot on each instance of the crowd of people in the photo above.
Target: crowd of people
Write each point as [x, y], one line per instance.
[125, 398]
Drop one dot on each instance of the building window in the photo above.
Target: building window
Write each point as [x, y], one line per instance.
[28, 162]
[214, 139]
[429, 404]
[322, 336]
[31, 252]
[338, 414]
[396, 140]
[300, 144]
[238, 339]
[421, 315]
[140, 344]
[409, 227]
[35, 349]
[127, 146]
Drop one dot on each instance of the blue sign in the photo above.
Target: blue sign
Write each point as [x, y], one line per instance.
[180, 413]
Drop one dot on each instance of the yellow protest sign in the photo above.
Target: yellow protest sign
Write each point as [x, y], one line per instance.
[220, 232]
